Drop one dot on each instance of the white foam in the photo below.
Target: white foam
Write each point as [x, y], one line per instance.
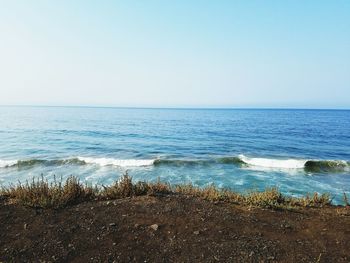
[117, 162]
[273, 163]
[6, 163]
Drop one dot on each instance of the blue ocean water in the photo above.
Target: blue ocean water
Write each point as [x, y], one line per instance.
[298, 151]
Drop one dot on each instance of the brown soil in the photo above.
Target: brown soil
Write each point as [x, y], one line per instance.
[189, 230]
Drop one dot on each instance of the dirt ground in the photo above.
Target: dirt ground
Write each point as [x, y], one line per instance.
[172, 228]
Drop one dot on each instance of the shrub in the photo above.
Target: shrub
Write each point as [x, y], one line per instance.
[42, 194]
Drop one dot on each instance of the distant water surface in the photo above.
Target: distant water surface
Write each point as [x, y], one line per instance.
[299, 151]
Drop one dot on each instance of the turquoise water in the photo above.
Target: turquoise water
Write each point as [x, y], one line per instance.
[238, 149]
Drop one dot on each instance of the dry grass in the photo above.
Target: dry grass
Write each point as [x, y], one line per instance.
[126, 188]
[120, 189]
[346, 199]
[210, 193]
[315, 200]
[270, 198]
[41, 193]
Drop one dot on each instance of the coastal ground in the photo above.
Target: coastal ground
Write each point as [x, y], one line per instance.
[172, 228]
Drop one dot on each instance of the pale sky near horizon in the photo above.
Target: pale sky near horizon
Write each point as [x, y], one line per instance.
[175, 53]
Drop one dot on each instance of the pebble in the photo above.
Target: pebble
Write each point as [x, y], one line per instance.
[112, 224]
[154, 227]
[196, 232]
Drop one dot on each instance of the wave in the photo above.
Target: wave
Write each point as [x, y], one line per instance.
[75, 161]
[33, 162]
[307, 165]
[181, 162]
[313, 166]
[7, 163]
[117, 162]
[326, 166]
[273, 163]
[232, 160]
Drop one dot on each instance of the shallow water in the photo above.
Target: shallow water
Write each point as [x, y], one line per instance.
[238, 149]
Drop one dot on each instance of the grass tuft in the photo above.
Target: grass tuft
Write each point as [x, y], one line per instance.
[270, 198]
[346, 199]
[120, 189]
[42, 194]
[315, 200]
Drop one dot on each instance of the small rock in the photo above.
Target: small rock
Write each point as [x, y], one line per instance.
[112, 224]
[114, 244]
[25, 226]
[196, 232]
[136, 225]
[154, 227]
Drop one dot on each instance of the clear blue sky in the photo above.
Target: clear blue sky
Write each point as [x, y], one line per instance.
[175, 53]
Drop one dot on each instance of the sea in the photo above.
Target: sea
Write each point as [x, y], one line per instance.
[298, 151]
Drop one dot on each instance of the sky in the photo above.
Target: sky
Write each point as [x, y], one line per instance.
[145, 53]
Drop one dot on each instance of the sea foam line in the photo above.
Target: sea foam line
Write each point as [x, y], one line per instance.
[117, 162]
[7, 163]
[76, 161]
[274, 163]
[240, 161]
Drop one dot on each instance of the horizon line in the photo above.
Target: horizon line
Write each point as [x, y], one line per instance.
[174, 107]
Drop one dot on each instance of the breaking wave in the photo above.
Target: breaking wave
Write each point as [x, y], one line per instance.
[283, 164]
[317, 166]
[75, 161]
[307, 165]
[117, 162]
[7, 163]
[33, 162]
[183, 162]
[273, 163]
[327, 166]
